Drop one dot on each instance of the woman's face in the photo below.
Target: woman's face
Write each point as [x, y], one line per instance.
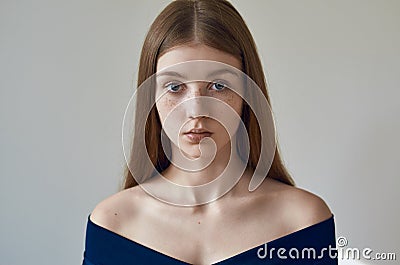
[185, 106]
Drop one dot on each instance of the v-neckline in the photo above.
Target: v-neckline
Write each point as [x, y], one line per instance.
[218, 262]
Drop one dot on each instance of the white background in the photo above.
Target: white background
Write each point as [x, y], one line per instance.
[67, 72]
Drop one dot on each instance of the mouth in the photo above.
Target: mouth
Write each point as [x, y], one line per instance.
[198, 131]
[195, 135]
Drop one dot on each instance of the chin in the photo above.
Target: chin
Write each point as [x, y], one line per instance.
[192, 154]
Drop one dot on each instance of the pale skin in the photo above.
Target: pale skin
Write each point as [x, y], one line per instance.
[208, 233]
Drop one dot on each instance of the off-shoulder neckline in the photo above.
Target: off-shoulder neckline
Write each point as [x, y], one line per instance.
[219, 262]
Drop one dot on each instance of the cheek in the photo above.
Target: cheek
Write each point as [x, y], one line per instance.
[237, 104]
[164, 106]
[235, 101]
[230, 98]
[229, 119]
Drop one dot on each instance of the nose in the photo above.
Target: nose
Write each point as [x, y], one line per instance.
[197, 100]
[197, 89]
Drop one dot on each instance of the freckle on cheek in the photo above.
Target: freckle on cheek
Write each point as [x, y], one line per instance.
[229, 100]
[171, 103]
[167, 102]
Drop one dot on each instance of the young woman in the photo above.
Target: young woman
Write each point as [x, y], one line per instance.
[195, 190]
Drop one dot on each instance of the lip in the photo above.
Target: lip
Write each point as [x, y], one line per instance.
[197, 131]
[195, 137]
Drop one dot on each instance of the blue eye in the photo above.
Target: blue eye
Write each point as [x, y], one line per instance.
[218, 86]
[173, 87]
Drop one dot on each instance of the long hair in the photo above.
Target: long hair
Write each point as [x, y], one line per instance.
[215, 23]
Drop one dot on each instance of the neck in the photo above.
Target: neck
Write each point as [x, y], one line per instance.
[189, 188]
[198, 177]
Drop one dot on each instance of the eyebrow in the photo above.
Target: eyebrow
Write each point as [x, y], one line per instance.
[217, 72]
[169, 73]
[223, 71]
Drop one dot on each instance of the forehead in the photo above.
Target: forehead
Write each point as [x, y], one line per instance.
[186, 53]
[200, 70]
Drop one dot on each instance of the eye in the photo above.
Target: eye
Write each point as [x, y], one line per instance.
[218, 86]
[173, 86]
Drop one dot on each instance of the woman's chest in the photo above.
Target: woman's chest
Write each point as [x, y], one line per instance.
[203, 239]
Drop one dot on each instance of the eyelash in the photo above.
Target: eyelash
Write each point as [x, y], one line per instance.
[178, 84]
[172, 84]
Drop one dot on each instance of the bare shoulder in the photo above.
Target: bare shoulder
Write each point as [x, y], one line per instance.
[300, 207]
[115, 210]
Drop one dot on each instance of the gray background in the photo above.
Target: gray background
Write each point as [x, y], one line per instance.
[67, 72]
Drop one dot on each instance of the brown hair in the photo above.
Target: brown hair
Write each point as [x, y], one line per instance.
[215, 23]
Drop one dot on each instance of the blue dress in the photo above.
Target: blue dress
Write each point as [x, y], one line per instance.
[305, 246]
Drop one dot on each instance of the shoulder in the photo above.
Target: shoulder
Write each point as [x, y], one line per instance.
[304, 207]
[115, 210]
[301, 208]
